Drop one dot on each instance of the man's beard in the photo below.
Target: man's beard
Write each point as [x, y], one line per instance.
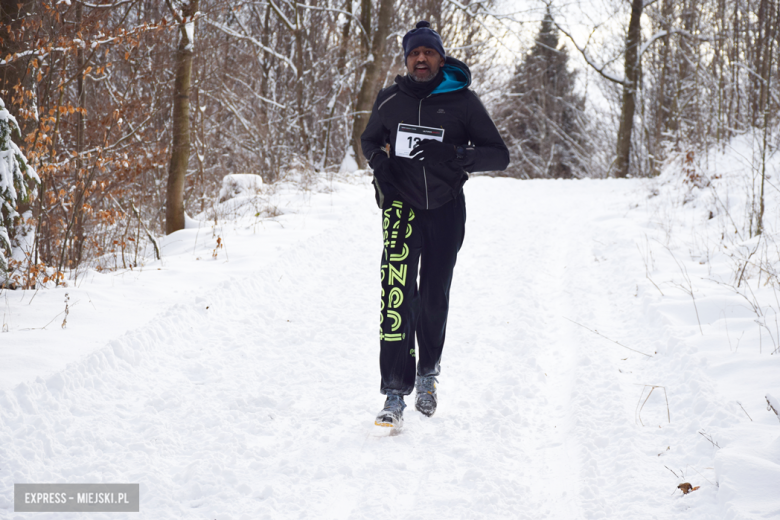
[424, 79]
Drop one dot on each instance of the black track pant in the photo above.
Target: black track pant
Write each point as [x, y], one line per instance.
[432, 241]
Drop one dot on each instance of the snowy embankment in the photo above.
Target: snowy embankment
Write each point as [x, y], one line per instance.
[245, 386]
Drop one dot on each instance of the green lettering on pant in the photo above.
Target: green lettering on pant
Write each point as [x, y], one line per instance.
[393, 277]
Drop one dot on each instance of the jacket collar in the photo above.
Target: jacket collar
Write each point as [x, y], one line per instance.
[453, 76]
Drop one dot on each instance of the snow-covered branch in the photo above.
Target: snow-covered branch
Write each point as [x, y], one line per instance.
[253, 41]
[347, 13]
[583, 51]
[281, 15]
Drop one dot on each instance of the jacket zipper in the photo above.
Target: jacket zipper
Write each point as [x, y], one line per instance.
[425, 177]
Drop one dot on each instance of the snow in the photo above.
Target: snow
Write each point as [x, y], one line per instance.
[348, 164]
[240, 185]
[242, 381]
[14, 172]
[189, 28]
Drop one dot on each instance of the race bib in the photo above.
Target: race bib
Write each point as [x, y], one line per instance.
[409, 136]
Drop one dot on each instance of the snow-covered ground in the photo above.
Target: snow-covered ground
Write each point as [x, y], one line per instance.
[245, 386]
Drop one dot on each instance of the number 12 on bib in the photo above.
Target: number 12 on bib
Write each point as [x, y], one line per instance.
[409, 136]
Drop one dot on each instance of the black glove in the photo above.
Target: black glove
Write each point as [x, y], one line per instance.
[383, 167]
[384, 188]
[433, 152]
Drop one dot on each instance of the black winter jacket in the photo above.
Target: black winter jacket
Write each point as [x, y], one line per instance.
[451, 106]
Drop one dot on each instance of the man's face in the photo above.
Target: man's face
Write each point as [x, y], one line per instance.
[423, 63]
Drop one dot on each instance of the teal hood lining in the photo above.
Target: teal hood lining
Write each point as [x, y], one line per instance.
[454, 79]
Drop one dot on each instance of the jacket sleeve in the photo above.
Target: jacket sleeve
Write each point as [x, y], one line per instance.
[488, 153]
[373, 138]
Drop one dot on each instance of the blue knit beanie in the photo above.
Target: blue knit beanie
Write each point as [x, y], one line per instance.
[423, 35]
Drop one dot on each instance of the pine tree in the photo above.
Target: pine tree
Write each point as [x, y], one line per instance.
[544, 121]
[17, 181]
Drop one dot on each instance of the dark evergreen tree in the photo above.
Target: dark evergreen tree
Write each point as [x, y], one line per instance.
[543, 120]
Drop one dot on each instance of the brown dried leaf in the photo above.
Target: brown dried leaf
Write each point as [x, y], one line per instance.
[687, 488]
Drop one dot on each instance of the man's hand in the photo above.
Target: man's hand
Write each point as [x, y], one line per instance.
[433, 152]
[384, 176]
[383, 167]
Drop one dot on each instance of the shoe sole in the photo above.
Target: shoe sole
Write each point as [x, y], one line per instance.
[387, 424]
[427, 414]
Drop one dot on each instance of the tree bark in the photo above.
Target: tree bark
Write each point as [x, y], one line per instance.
[78, 233]
[341, 62]
[299, 84]
[365, 21]
[373, 72]
[12, 13]
[180, 148]
[634, 38]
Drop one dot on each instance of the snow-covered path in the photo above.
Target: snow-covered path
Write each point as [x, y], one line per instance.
[256, 399]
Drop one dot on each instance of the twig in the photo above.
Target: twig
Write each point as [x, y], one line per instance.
[67, 311]
[772, 404]
[699, 472]
[638, 411]
[34, 295]
[756, 308]
[5, 323]
[709, 438]
[44, 327]
[689, 289]
[747, 261]
[743, 409]
[726, 324]
[673, 473]
[647, 269]
[148, 233]
[603, 336]
[668, 414]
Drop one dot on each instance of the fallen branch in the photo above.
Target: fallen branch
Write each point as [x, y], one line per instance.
[773, 405]
[603, 336]
[709, 438]
[743, 409]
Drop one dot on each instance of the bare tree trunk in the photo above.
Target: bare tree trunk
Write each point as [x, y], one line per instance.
[663, 110]
[341, 64]
[365, 21]
[299, 84]
[765, 99]
[180, 149]
[629, 91]
[365, 99]
[12, 14]
[78, 233]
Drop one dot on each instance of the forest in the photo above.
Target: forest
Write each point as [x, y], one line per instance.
[119, 117]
